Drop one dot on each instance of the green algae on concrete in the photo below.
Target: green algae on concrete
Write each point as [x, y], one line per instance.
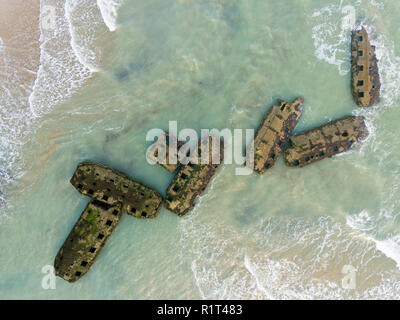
[86, 239]
[192, 179]
[112, 193]
[111, 186]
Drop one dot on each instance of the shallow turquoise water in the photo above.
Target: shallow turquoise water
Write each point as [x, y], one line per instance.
[218, 64]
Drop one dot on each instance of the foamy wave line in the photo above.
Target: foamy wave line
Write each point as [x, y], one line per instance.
[109, 12]
[85, 56]
[389, 67]
[365, 224]
[331, 38]
[66, 61]
[283, 259]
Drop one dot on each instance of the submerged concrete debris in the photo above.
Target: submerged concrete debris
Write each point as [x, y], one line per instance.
[111, 186]
[325, 141]
[86, 239]
[192, 179]
[273, 133]
[112, 193]
[365, 80]
[161, 149]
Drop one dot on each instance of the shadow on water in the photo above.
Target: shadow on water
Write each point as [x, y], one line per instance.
[137, 66]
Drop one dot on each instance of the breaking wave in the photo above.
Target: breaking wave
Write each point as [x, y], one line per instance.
[331, 37]
[68, 53]
[109, 11]
[84, 22]
[369, 227]
[285, 259]
[331, 33]
[65, 63]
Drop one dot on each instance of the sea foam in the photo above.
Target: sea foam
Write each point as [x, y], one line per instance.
[109, 11]
[68, 57]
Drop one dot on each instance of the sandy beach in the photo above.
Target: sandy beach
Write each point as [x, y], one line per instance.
[19, 33]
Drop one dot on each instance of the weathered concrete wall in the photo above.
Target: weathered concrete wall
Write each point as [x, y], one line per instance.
[86, 239]
[191, 181]
[111, 186]
[365, 80]
[325, 141]
[273, 133]
[161, 149]
[112, 193]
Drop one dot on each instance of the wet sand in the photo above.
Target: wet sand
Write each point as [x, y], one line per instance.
[20, 33]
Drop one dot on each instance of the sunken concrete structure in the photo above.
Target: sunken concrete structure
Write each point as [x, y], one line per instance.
[192, 179]
[161, 149]
[111, 187]
[365, 80]
[325, 141]
[112, 193]
[273, 134]
[86, 239]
